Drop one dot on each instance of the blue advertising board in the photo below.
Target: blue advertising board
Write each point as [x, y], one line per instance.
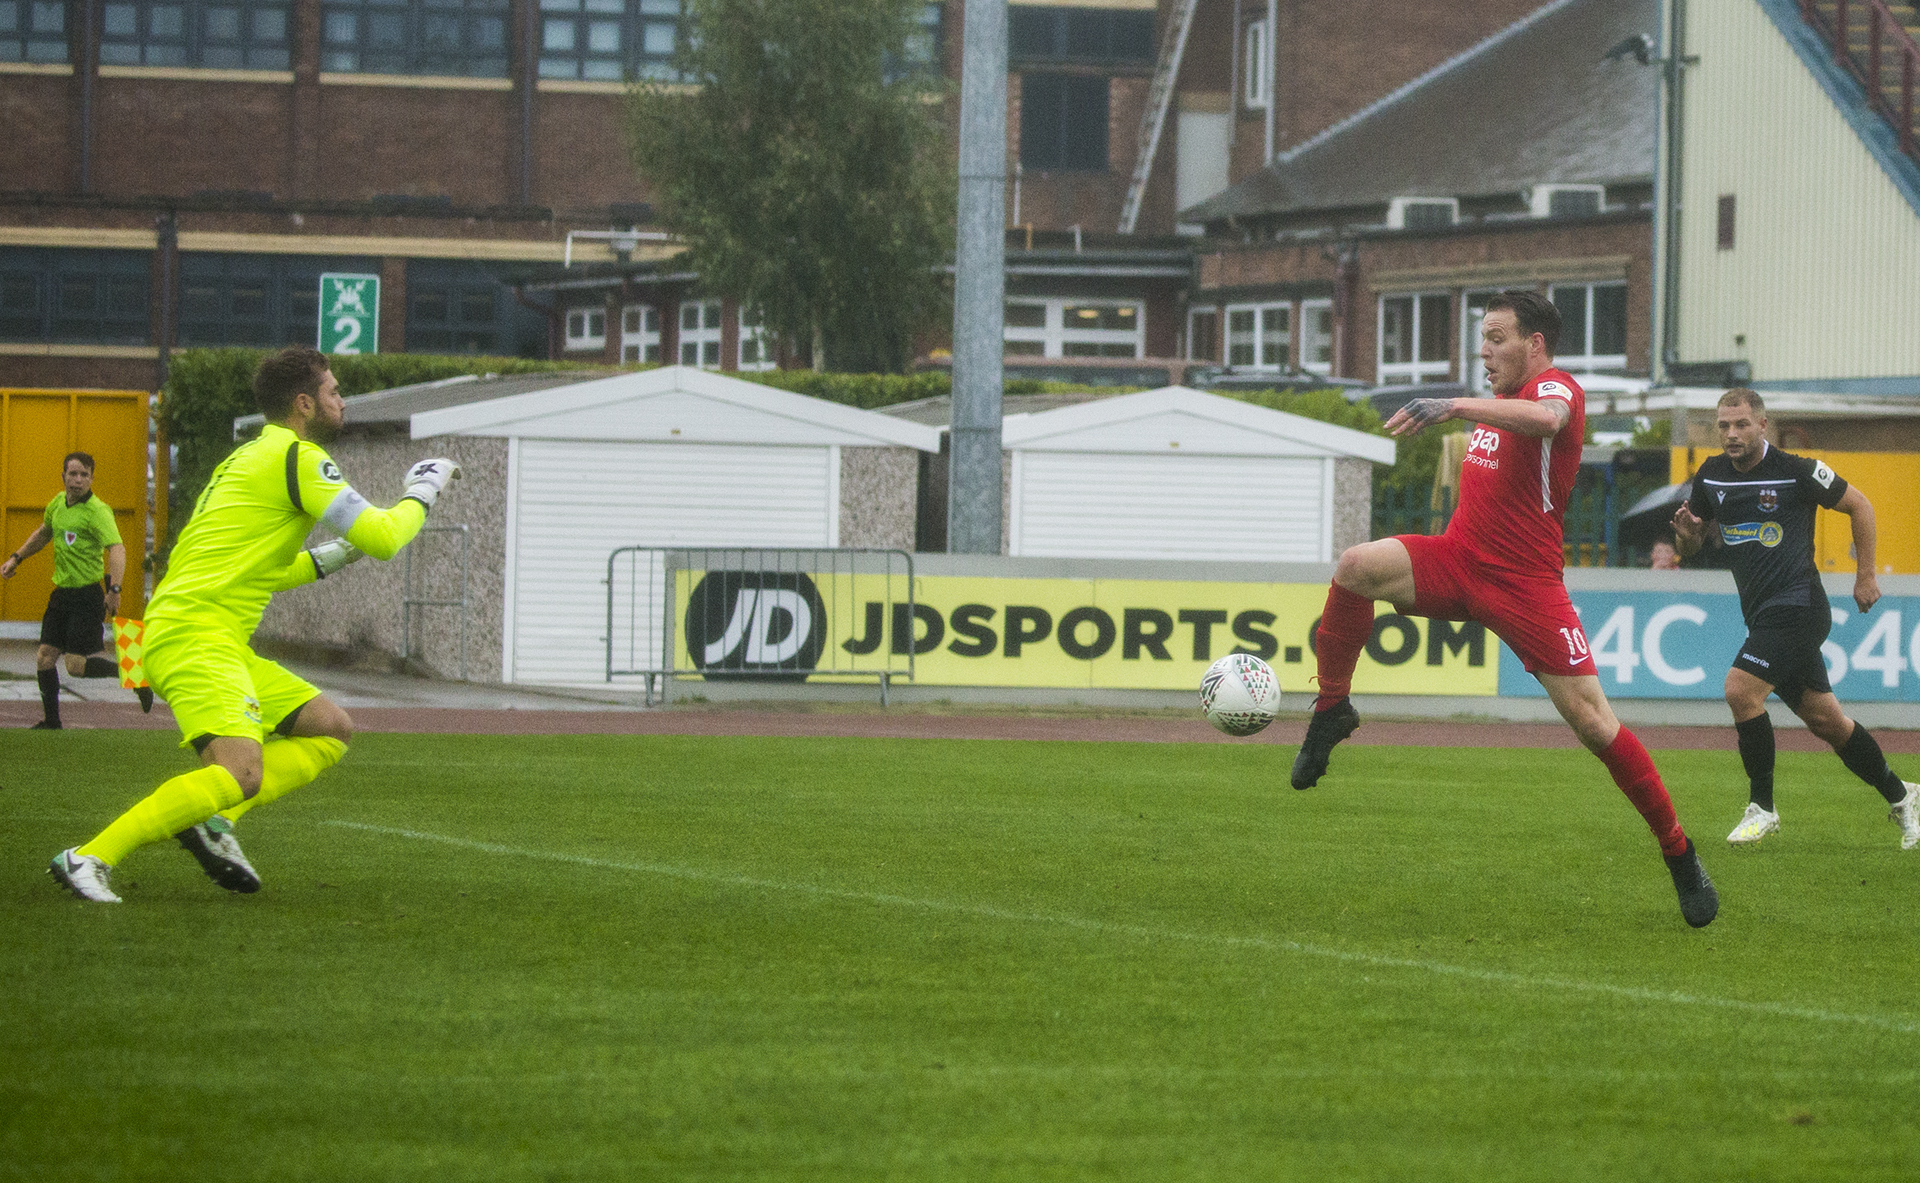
[1679, 644]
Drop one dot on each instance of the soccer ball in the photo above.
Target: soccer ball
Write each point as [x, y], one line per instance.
[1240, 694]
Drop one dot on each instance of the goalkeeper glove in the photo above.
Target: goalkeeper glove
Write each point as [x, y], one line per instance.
[329, 557]
[426, 479]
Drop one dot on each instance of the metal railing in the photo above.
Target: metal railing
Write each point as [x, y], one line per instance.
[1865, 58]
[769, 614]
[413, 597]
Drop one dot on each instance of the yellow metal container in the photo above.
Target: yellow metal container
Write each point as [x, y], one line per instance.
[37, 428]
[1890, 480]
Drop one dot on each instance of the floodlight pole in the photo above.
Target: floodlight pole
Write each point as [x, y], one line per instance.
[979, 284]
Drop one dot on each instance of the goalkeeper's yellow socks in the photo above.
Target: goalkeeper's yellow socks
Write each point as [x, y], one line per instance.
[285, 765]
[186, 800]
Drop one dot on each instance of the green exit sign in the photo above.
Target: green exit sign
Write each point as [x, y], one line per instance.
[349, 313]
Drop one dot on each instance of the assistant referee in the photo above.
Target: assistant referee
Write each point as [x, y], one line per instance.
[1764, 500]
[88, 564]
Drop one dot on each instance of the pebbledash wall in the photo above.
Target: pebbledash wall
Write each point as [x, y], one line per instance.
[359, 609]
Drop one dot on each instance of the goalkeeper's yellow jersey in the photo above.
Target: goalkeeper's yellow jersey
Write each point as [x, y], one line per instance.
[244, 540]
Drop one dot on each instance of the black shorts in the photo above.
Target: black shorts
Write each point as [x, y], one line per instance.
[75, 620]
[1782, 649]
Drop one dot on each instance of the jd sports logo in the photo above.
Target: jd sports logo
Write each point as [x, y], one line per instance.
[772, 622]
[329, 470]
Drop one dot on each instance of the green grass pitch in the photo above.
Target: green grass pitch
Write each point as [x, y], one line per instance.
[703, 959]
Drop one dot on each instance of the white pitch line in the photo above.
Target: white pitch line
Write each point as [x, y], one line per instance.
[1904, 1025]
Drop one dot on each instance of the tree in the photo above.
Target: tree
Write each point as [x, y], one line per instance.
[807, 182]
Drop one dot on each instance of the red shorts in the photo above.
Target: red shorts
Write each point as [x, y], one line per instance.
[1532, 614]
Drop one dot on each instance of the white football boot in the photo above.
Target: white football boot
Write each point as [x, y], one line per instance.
[212, 844]
[1757, 823]
[1906, 815]
[86, 876]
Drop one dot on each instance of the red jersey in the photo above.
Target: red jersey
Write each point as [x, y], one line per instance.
[1514, 488]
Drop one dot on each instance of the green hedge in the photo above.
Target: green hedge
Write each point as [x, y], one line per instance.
[207, 389]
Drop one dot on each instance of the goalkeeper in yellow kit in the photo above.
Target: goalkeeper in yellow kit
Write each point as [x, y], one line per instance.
[260, 731]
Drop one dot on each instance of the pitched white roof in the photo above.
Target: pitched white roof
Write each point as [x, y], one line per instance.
[676, 404]
[1179, 419]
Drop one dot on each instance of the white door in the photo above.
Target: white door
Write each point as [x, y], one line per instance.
[1108, 505]
[574, 502]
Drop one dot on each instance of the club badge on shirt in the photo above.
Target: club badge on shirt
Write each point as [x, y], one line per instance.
[72, 537]
[1769, 500]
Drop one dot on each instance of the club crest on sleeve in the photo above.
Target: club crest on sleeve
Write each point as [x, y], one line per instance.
[1769, 500]
[329, 470]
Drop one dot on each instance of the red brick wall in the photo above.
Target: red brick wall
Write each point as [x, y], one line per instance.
[1274, 265]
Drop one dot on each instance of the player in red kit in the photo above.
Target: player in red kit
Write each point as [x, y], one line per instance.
[1500, 563]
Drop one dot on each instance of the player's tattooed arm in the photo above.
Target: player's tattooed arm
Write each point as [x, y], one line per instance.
[1559, 410]
[1419, 414]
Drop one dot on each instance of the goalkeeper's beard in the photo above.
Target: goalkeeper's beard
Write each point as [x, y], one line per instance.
[323, 431]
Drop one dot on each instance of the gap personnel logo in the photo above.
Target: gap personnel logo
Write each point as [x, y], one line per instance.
[1769, 500]
[770, 622]
[1767, 534]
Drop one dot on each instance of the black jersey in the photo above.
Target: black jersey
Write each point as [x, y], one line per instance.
[1765, 518]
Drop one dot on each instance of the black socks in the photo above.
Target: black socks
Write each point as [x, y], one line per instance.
[50, 696]
[100, 667]
[1756, 753]
[1862, 756]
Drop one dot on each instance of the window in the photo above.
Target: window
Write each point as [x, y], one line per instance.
[1723, 230]
[1063, 122]
[1422, 213]
[262, 300]
[214, 34]
[700, 334]
[1258, 69]
[1260, 336]
[586, 328]
[96, 297]
[1316, 336]
[640, 333]
[608, 40]
[1473, 315]
[466, 38]
[756, 343]
[1203, 334]
[1593, 327]
[1075, 328]
[922, 50]
[33, 31]
[1413, 339]
[1567, 201]
[463, 307]
[1103, 36]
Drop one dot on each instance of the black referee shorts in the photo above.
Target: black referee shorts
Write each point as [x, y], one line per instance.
[1782, 649]
[75, 621]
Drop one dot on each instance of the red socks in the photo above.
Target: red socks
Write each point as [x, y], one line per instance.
[1345, 628]
[1626, 758]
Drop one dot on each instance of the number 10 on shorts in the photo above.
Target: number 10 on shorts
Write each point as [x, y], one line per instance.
[1576, 644]
[349, 313]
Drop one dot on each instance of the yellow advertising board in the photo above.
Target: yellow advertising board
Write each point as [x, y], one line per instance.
[1109, 634]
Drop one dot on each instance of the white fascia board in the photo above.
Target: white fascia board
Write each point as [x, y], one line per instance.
[1792, 402]
[1052, 430]
[516, 414]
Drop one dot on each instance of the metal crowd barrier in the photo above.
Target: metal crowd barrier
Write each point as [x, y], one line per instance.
[769, 614]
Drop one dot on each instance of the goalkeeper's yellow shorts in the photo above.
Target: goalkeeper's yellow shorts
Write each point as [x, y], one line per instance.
[217, 686]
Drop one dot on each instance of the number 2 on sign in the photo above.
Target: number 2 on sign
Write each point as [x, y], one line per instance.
[1576, 643]
[349, 328]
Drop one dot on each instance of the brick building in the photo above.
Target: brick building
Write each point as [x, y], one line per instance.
[182, 171]
[1367, 250]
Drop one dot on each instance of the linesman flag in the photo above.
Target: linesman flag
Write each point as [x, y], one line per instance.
[129, 639]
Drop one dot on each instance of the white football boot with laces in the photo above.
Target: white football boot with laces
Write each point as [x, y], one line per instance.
[86, 876]
[213, 845]
[1757, 823]
[1906, 815]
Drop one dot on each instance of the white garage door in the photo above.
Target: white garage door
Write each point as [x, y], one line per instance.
[574, 502]
[1116, 505]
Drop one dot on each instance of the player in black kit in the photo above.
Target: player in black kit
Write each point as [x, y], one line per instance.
[1763, 500]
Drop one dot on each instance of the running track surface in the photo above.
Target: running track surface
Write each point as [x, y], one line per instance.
[916, 725]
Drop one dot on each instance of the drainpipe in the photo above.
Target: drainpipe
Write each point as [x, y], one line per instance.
[89, 69]
[1273, 83]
